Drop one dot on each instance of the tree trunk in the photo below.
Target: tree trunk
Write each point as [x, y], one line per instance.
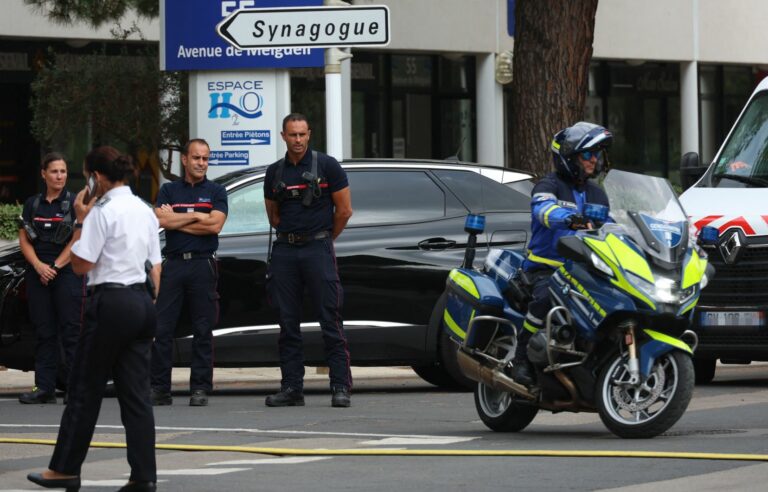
[553, 48]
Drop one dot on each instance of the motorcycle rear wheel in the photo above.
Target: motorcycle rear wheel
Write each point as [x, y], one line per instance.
[647, 410]
[500, 411]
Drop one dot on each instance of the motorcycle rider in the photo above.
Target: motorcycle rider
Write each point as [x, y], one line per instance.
[557, 207]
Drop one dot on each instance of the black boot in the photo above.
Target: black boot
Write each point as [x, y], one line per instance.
[523, 372]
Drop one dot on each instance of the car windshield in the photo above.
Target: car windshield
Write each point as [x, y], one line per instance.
[743, 162]
[648, 209]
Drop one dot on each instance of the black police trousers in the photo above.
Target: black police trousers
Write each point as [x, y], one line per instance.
[116, 340]
[537, 310]
[310, 266]
[192, 281]
[55, 311]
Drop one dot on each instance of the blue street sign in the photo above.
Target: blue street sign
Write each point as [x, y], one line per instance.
[246, 137]
[228, 158]
[189, 40]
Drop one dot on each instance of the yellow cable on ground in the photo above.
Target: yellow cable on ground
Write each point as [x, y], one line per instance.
[425, 452]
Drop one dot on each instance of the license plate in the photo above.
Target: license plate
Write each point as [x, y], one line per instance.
[733, 318]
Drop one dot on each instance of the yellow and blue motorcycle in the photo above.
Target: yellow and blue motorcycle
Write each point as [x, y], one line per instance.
[617, 339]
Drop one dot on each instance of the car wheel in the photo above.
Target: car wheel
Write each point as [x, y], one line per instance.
[704, 370]
[446, 348]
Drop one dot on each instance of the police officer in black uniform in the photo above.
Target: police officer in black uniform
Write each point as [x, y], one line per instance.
[308, 202]
[192, 211]
[54, 291]
[119, 236]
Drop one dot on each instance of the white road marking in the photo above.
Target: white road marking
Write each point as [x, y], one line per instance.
[108, 483]
[272, 461]
[259, 431]
[202, 471]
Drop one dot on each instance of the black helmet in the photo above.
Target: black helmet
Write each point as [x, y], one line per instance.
[571, 141]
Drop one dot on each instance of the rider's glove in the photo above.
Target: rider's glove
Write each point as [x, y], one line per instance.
[577, 221]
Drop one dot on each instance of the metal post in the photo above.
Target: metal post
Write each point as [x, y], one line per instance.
[333, 104]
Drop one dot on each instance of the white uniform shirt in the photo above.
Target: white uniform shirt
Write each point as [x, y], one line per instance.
[119, 234]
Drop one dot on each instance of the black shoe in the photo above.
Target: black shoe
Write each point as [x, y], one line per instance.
[160, 398]
[38, 396]
[288, 397]
[139, 487]
[198, 399]
[340, 397]
[71, 484]
[523, 373]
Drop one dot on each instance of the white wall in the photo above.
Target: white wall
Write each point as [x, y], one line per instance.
[727, 31]
[19, 20]
[447, 25]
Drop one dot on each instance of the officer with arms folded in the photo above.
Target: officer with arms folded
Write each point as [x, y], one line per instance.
[119, 236]
[192, 211]
[308, 202]
[54, 291]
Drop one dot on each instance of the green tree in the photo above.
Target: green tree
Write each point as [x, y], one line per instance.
[95, 12]
[553, 48]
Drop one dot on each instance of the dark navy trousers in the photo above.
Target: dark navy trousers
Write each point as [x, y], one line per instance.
[312, 266]
[56, 311]
[192, 281]
[116, 340]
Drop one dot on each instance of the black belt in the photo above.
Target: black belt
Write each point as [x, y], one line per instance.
[189, 255]
[299, 238]
[113, 286]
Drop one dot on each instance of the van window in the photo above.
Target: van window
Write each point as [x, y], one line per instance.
[744, 160]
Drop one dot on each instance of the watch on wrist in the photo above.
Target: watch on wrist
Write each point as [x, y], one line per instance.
[78, 225]
[53, 265]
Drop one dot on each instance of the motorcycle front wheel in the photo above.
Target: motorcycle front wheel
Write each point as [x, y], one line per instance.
[650, 408]
[500, 411]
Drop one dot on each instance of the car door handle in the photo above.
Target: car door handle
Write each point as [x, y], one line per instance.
[436, 243]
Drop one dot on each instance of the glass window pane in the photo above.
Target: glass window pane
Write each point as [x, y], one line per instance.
[481, 194]
[394, 196]
[247, 213]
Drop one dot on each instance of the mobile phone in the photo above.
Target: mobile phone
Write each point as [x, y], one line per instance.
[90, 189]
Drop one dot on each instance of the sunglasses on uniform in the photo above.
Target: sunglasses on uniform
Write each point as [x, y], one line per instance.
[588, 154]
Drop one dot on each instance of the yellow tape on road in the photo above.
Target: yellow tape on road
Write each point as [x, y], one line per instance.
[425, 452]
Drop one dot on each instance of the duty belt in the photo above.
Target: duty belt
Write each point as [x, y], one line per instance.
[189, 255]
[114, 285]
[299, 238]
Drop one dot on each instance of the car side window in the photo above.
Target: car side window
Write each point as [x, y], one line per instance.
[480, 193]
[380, 197]
[247, 213]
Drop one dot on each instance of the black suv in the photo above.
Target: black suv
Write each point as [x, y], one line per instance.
[405, 235]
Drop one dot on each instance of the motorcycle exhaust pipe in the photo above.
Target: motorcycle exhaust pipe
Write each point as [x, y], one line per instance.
[493, 378]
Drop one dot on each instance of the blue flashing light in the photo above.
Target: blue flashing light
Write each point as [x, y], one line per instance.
[475, 224]
[595, 212]
[709, 235]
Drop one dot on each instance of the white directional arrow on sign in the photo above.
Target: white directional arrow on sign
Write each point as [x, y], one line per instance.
[307, 27]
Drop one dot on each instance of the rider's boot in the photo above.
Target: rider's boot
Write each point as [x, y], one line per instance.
[522, 369]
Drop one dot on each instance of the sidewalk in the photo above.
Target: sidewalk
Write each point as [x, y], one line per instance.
[267, 378]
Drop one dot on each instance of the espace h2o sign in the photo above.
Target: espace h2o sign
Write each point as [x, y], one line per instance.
[307, 27]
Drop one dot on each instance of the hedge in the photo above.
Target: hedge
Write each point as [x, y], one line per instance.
[9, 228]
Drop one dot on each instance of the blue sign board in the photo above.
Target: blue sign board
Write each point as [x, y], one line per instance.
[228, 158]
[246, 137]
[189, 40]
[511, 18]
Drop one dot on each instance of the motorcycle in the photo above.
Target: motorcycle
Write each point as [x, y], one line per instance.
[617, 339]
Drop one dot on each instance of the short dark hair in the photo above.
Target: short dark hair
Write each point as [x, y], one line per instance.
[109, 162]
[51, 157]
[185, 149]
[295, 117]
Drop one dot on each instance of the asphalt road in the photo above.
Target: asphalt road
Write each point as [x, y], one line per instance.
[729, 416]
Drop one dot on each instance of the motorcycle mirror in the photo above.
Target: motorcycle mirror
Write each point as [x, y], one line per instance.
[596, 212]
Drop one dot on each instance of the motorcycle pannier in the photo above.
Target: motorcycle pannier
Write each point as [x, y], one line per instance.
[470, 294]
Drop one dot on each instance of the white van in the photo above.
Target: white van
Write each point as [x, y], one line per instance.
[732, 195]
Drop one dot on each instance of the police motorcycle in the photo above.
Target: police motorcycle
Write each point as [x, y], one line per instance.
[617, 339]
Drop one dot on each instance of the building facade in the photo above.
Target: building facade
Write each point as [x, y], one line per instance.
[667, 77]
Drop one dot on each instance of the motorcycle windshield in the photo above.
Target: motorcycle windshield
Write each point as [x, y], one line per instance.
[648, 209]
